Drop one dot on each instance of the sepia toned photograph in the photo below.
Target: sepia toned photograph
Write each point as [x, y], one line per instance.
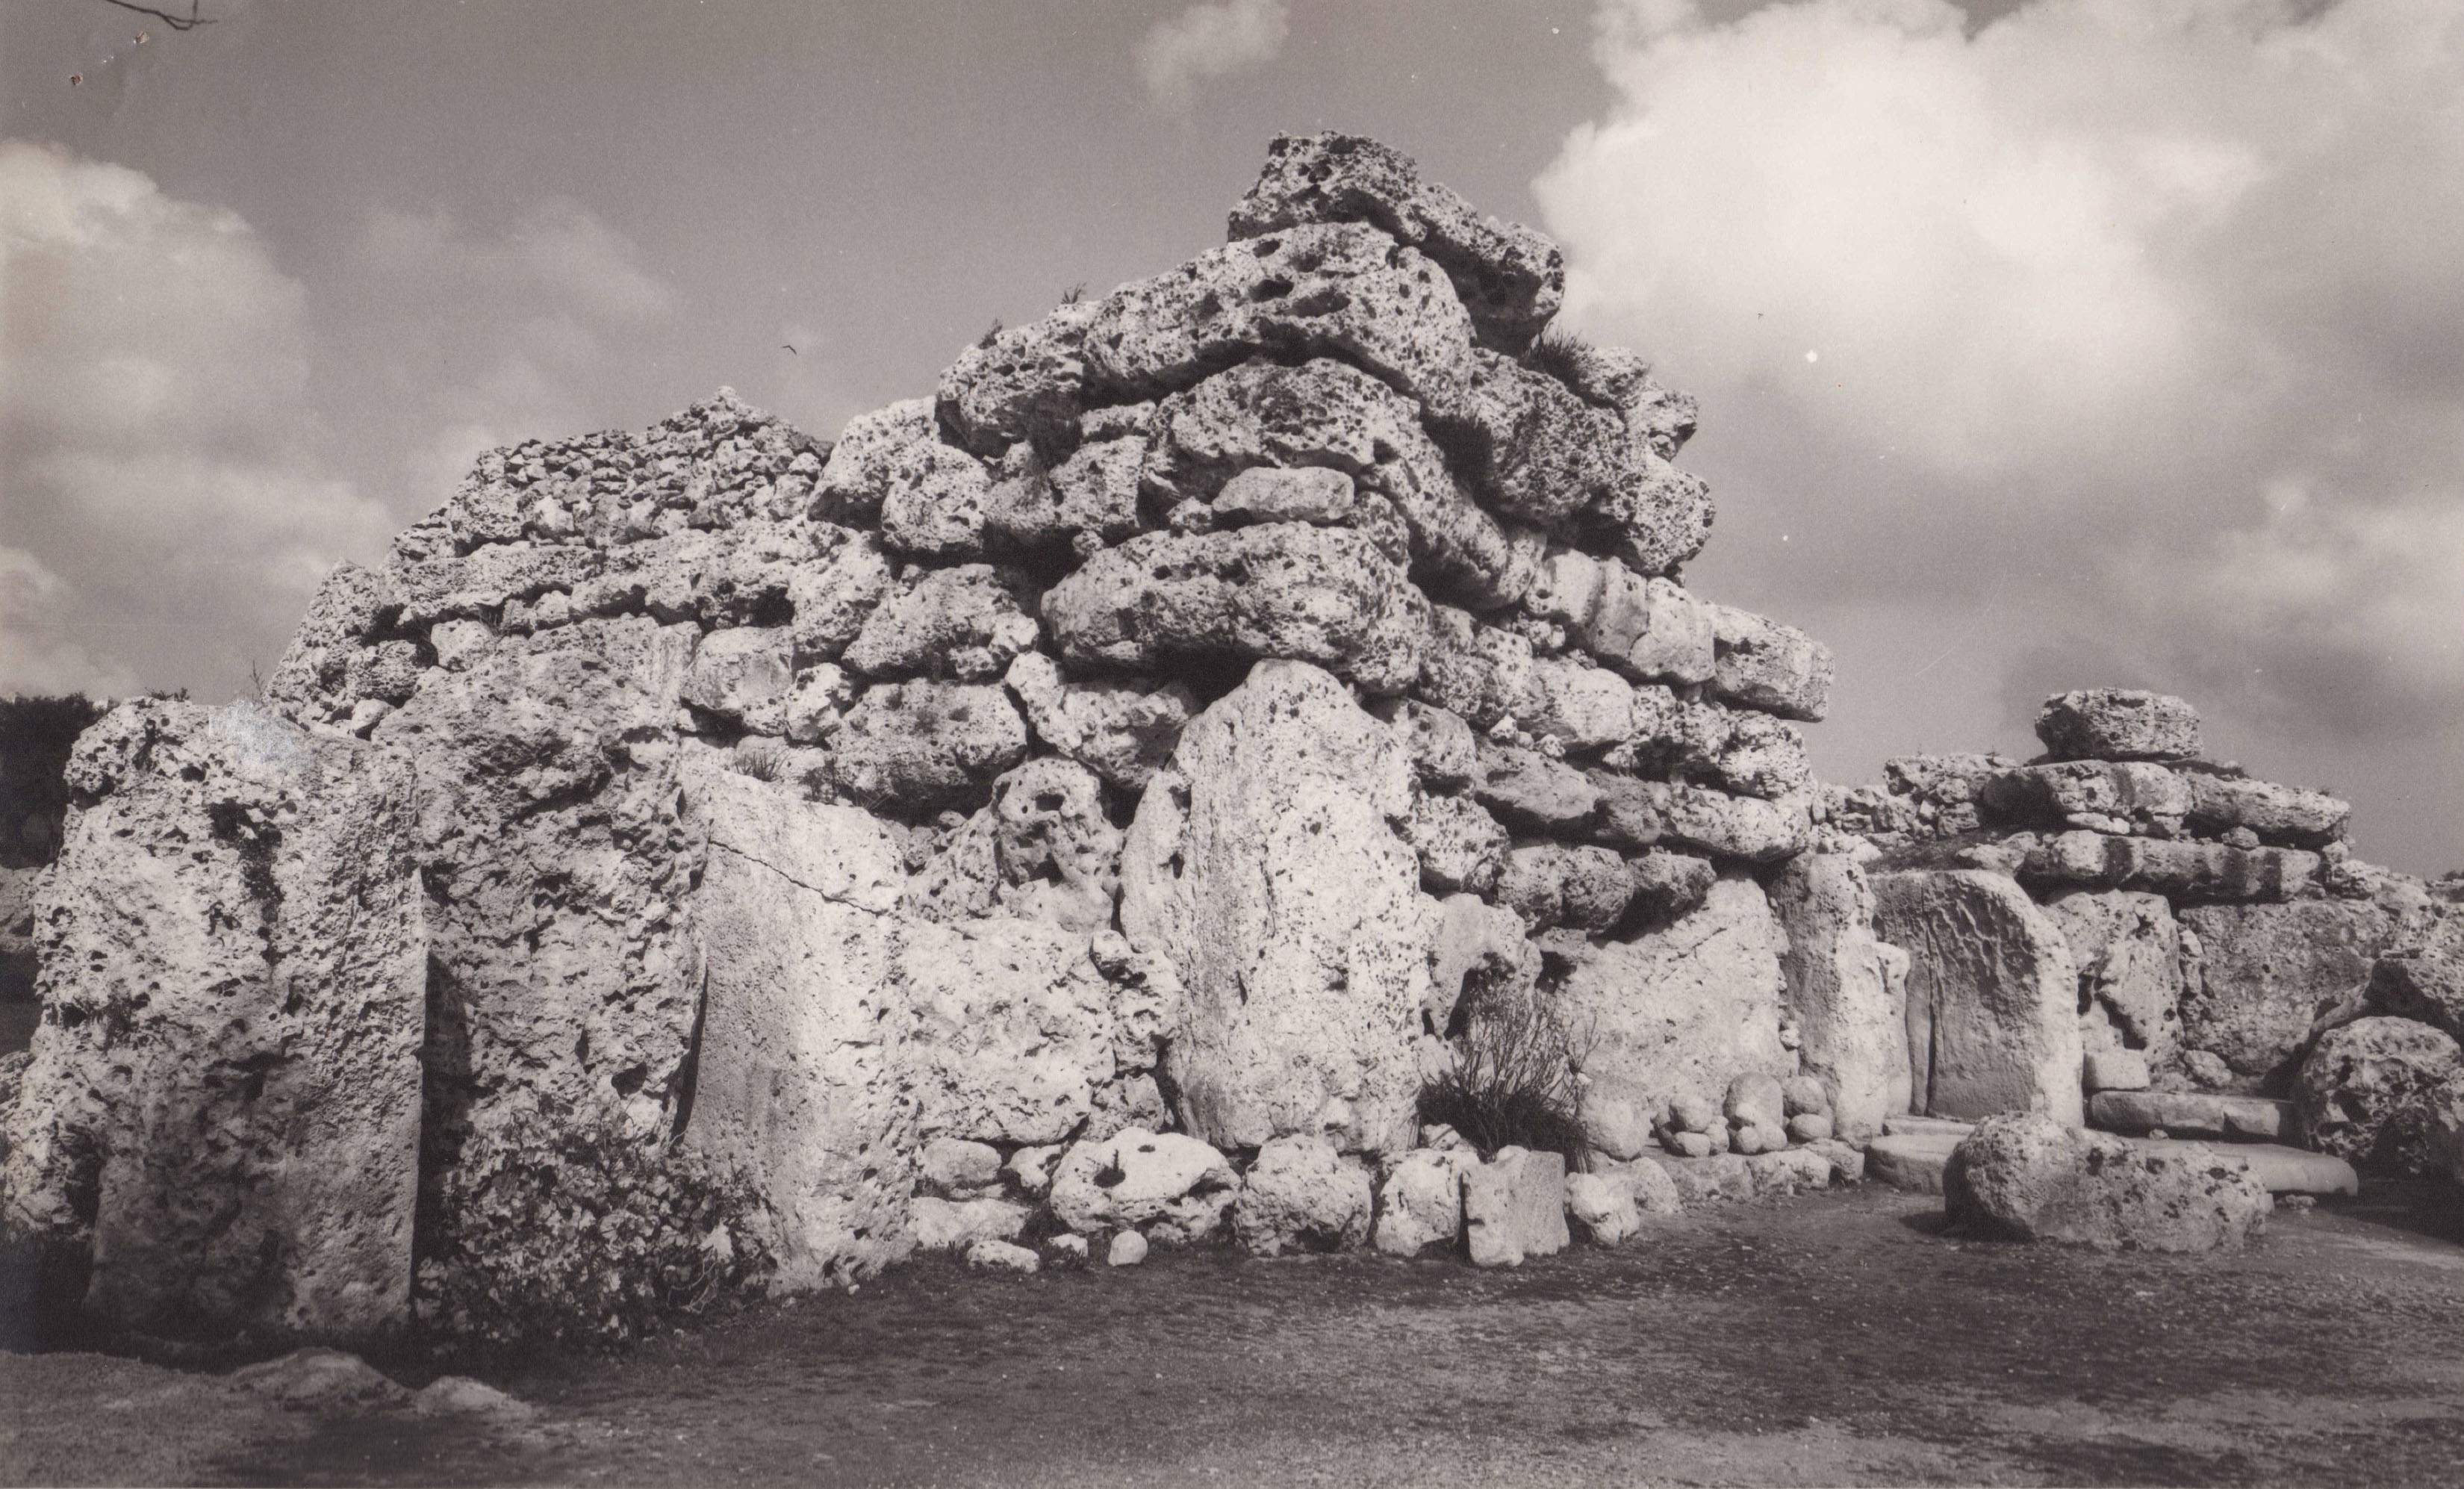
[1375, 743]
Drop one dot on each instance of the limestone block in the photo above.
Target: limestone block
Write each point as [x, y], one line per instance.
[222, 1107]
[2117, 1070]
[1530, 791]
[2183, 872]
[2146, 796]
[934, 503]
[954, 1225]
[2267, 973]
[2253, 1119]
[1302, 1196]
[1992, 998]
[926, 745]
[1668, 885]
[1850, 1011]
[1684, 1010]
[1266, 866]
[1421, 1203]
[1514, 1207]
[1004, 1028]
[2370, 1091]
[1759, 663]
[1582, 707]
[1460, 846]
[857, 477]
[956, 1168]
[1284, 590]
[968, 622]
[744, 677]
[1122, 729]
[1169, 1185]
[1509, 278]
[1661, 516]
[2028, 1177]
[1579, 886]
[1443, 749]
[833, 598]
[2285, 816]
[2127, 948]
[2117, 724]
[1479, 672]
[1016, 383]
[1602, 1209]
[2423, 979]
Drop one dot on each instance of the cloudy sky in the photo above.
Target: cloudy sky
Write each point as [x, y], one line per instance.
[2041, 345]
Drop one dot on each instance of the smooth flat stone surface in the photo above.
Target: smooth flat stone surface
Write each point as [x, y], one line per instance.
[2245, 1119]
[2282, 1169]
[1913, 1161]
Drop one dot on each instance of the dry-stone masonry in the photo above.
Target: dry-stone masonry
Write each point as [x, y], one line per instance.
[1097, 801]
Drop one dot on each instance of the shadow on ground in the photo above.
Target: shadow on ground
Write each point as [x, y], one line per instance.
[1835, 1338]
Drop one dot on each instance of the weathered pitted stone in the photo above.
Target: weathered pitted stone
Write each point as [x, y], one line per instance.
[1302, 1196]
[1992, 998]
[1529, 790]
[2198, 872]
[1017, 383]
[1535, 451]
[2027, 1177]
[2424, 981]
[1668, 885]
[1659, 418]
[1760, 664]
[2369, 1091]
[1334, 417]
[935, 505]
[1846, 989]
[478, 583]
[926, 745]
[2241, 1119]
[224, 1097]
[1286, 590]
[1684, 1010]
[819, 703]
[1460, 846]
[1724, 827]
[744, 677]
[834, 598]
[956, 1168]
[1582, 707]
[968, 622]
[1268, 494]
[1658, 517]
[1603, 1208]
[2107, 1068]
[1648, 628]
[1004, 1030]
[796, 1083]
[1119, 729]
[1579, 886]
[1510, 278]
[2265, 975]
[1736, 750]
[2285, 816]
[1266, 866]
[1443, 749]
[2133, 796]
[1421, 1204]
[1171, 1187]
[1091, 496]
[857, 477]
[1340, 288]
[1514, 1208]
[2117, 724]
[2128, 949]
[1476, 950]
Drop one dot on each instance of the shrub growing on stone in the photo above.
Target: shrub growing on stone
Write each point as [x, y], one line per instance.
[1512, 1081]
[591, 1236]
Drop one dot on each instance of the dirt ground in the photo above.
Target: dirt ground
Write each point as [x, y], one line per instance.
[1830, 1339]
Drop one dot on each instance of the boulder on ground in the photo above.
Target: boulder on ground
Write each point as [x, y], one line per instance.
[1421, 1203]
[1993, 1001]
[223, 1103]
[956, 1224]
[1171, 1186]
[1266, 867]
[2265, 975]
[2117, 724]
[2371, 1090]
[1514, 1207]
[1302, 1196]
[1603, 1208]
[2027, 1178]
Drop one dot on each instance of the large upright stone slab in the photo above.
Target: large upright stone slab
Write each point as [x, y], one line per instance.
[224, 1100]
[2128, 949]
[1993, 997]
[797, 1081]
[2265, 973]
[1683, 1011]
[1268, 865]
[1847, 989]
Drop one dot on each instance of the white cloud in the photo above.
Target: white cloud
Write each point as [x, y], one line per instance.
[467, 340]
[1208, 40]
[2098, 280]
[162, 490]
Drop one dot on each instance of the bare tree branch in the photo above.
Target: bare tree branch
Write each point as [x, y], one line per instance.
[189, 22]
